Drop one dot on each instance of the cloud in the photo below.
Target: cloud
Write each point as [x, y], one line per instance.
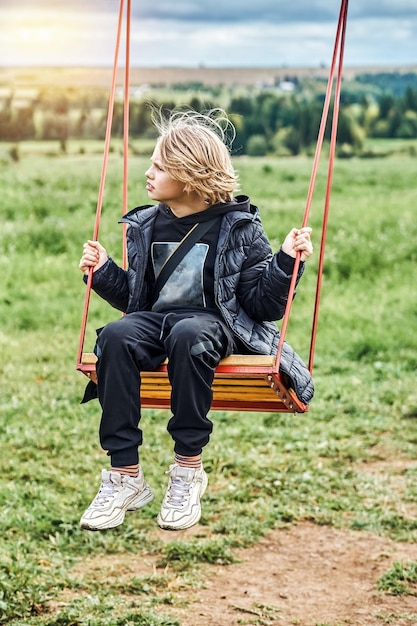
[268, 11]
[384, 9]
[235, 11]
[194, 32]
[245, 45]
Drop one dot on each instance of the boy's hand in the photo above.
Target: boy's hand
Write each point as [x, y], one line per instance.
[298, 240]
[94, 255]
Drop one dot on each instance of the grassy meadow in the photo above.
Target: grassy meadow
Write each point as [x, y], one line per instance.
[350, 462]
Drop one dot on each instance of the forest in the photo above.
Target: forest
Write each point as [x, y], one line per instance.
[279, 119]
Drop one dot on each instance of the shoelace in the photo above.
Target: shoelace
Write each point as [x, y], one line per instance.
[106, 491]
[178, 491]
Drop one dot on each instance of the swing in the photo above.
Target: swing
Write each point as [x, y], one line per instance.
[241, 382]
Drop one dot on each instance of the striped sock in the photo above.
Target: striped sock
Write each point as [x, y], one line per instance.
[127, 470]
[188, 461]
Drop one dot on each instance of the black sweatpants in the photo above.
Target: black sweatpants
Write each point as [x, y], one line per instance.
[194, 343]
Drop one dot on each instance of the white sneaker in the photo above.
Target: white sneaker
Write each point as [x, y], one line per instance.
[117, 494]
[181, 506]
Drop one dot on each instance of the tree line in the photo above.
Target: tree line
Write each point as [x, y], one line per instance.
[266, 120]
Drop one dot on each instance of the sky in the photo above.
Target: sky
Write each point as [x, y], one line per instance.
[191, 33]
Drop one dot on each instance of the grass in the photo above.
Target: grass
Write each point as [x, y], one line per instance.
[400, 580]
[265, 470]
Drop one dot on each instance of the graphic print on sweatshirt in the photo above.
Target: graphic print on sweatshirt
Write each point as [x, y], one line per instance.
[185, 287]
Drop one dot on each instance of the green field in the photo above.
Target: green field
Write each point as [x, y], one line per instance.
[265, 471]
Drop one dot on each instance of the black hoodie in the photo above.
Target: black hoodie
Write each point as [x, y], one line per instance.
[191, 284]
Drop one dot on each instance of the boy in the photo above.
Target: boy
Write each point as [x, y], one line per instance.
[222, 297]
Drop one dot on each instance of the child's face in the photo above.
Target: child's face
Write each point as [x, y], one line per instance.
[160, 185]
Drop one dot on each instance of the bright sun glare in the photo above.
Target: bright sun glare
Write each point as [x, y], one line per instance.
[44, 37]
[32, 37]
[41, 34]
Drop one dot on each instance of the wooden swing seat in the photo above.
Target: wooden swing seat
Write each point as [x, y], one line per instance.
[242, 382]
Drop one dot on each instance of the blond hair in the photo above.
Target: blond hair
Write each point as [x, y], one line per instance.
[194, 150]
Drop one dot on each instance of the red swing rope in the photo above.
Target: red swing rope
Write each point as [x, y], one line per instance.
[126, 134]
[337, 58]
[103, 175]
[333, 139]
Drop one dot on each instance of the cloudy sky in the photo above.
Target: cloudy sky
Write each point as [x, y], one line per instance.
[188, 33]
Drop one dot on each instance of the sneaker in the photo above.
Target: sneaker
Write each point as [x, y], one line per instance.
[116, 495]
[181, 506]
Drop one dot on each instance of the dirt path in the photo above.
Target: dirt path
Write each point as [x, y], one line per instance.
[307, 575]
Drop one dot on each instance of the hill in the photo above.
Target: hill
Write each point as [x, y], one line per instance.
[209, 76]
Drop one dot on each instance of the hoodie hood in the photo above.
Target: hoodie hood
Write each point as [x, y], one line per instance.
[240, 203]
